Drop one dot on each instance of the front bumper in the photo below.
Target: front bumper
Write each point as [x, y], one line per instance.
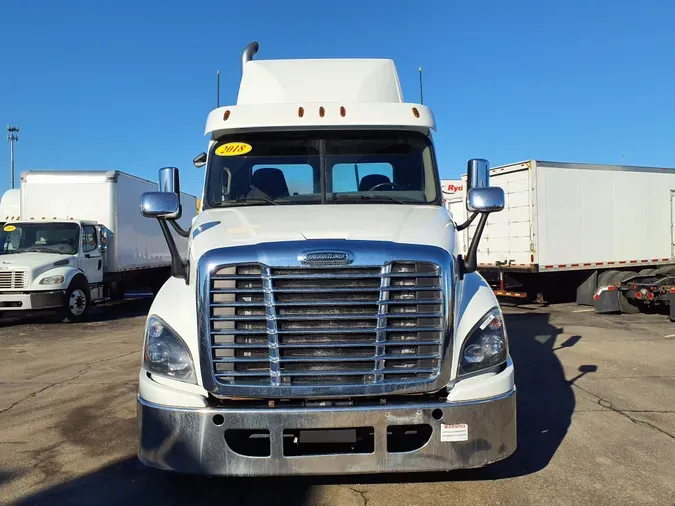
[25, 301]
[189, 440]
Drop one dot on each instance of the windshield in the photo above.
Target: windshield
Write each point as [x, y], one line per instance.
[284, 168]
[40, 237]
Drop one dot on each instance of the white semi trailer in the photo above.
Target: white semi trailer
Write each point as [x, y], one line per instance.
[81, 240]
[569, 230]
[324, 322]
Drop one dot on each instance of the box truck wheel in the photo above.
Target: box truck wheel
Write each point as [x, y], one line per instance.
[77, 300]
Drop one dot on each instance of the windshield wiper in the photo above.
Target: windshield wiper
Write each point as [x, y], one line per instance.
[39, 250]
[256, 198]
[388, 198]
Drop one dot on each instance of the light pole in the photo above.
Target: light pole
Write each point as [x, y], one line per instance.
[12, 137]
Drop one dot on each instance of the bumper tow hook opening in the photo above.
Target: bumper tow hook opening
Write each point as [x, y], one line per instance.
[249, 443]
[407, 438]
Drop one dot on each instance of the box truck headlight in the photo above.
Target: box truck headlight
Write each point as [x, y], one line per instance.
[52, 280]
[165, 352]
[487, 345]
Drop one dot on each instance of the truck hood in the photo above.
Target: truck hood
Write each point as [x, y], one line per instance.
[35, 263]
[424, 225]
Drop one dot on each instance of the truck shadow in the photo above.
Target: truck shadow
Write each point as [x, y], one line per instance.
[545, 405]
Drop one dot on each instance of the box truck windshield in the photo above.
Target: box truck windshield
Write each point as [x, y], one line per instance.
[322, 167]
[58, 238]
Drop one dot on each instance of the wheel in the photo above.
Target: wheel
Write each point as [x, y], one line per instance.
[77, 301]
[647, 272]
[605, 278]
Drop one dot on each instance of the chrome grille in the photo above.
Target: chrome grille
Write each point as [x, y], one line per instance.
[326, 326]
[15, 279]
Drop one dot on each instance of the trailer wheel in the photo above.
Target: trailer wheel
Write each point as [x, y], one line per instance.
[647, 272]
[77, 300]
[605, 278]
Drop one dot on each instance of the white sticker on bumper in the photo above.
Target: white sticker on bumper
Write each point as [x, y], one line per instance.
[455, 432]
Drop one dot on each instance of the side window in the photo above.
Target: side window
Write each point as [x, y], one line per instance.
[89, 240]
[352, 177]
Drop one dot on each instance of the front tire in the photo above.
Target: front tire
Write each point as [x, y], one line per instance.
[77, 302]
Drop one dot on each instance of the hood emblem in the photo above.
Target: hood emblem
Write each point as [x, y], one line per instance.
[326, 258]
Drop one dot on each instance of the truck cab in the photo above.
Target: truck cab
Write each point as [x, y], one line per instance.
[47, 264]
[324, 321]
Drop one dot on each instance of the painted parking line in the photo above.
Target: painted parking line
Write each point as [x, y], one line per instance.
[583, 310]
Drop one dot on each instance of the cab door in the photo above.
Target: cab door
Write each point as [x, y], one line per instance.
[91, 260]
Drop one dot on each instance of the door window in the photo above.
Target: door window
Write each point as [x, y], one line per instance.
[89, 239]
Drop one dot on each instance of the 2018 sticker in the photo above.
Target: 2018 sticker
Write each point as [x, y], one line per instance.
[233, 149]
[9, 228]
[454, 433]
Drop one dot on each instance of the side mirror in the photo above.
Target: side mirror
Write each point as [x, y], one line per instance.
[485, 199]
[160, 205]
[199, 160]
[477, 173]
[481, 199]
[169, 180]
[103, 240]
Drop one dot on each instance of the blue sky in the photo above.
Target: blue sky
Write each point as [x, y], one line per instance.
[127, 84]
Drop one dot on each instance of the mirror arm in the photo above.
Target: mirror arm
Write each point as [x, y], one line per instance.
[178, 269]
[467, 222]
[470, 263]
[179, 230]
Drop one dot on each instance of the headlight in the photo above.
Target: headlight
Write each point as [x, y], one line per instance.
[52, 280]
[165, 353]
[487, 345]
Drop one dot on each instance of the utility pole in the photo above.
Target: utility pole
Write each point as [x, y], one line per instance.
[12, 137]
[421, 95]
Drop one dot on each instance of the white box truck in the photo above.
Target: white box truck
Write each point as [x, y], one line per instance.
[324, 323]
[569, 229]
[81, 240]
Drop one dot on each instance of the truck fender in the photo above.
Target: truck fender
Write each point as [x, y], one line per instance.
[473, 298]
[68, 274]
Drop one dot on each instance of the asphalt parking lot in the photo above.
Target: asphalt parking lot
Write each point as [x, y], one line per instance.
[596, 421]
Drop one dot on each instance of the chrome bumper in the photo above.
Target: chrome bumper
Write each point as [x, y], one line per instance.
[189, 441]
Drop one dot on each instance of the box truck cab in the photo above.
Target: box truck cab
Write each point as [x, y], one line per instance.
[323, 322]
[51, 264]
[81, 241]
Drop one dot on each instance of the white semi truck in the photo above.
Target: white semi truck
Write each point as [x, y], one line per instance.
[324, 322]
[81, 240]
[574, 230]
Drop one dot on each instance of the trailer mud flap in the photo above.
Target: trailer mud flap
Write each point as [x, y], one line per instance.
[585, 291]
[671, 301]
[606, 300]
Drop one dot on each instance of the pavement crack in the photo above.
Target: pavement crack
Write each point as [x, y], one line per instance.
[39, 391]
[626, 413]
[86, 369]
[361, 493]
